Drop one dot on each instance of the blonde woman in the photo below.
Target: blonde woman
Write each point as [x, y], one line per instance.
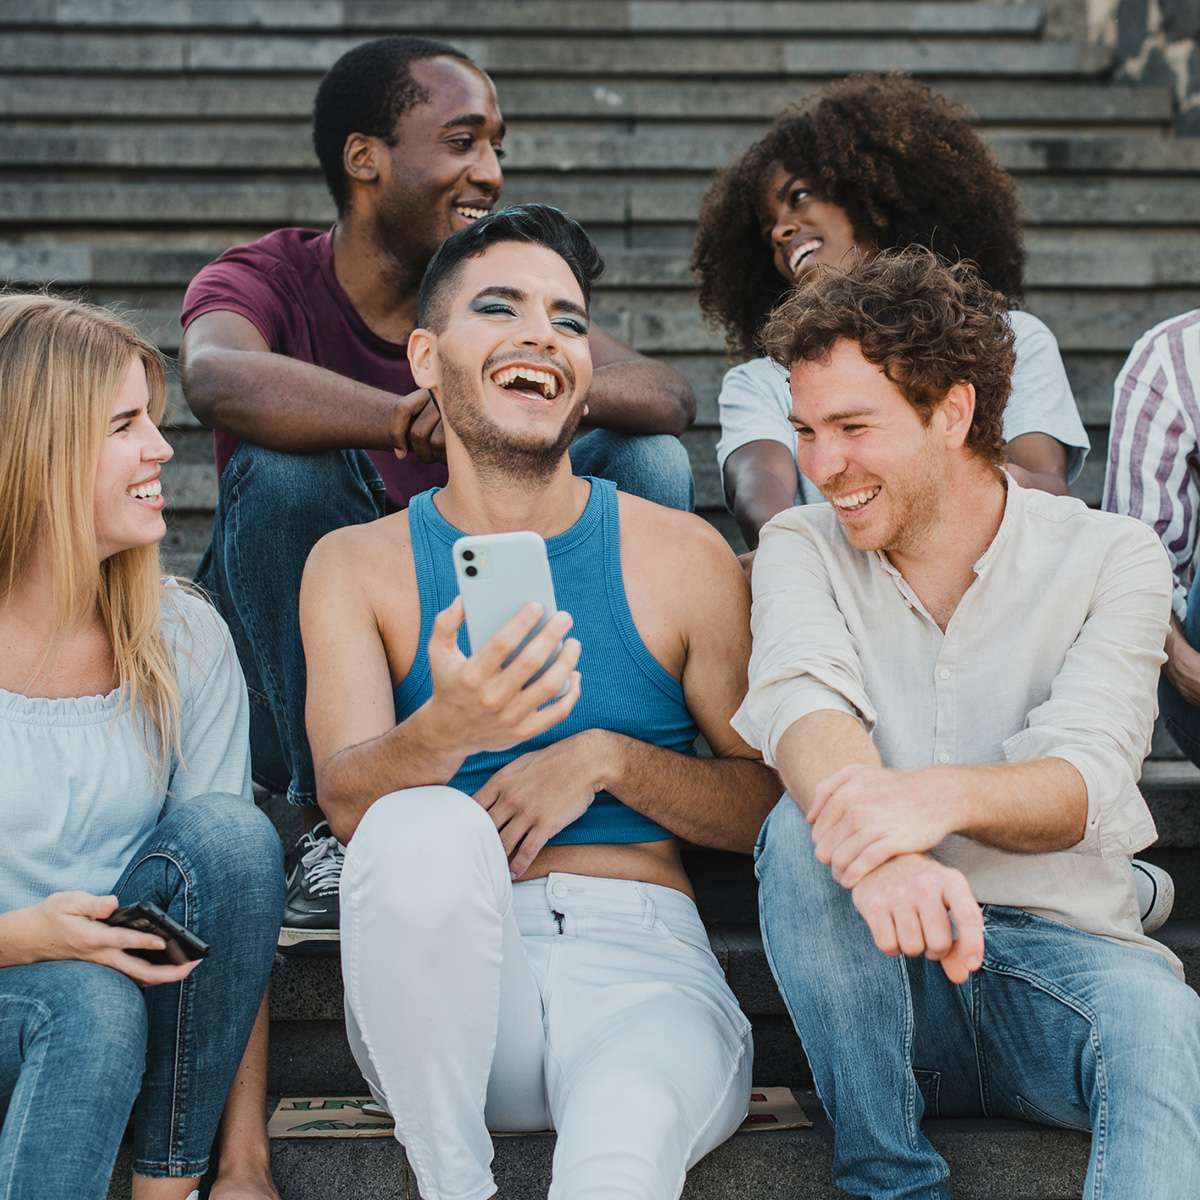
[124, 777]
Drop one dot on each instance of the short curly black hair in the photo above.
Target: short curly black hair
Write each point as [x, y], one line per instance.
[900, 160]
[367, 91]
[929, 323]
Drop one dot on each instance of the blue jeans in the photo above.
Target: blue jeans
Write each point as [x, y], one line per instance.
[1181, 718]
[272, 508]
[79, 1041]
[1058, 1027]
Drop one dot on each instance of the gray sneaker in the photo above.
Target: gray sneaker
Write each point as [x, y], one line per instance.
[310, 911]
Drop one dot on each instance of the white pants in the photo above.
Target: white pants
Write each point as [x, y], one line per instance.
[591, 1006]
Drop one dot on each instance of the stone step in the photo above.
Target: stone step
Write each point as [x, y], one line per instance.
[38, 202]
[241, 98]
[1058, 258]
[541, 53]
[573, 17]
[989, 1159]
[653, 147]
[662, 322]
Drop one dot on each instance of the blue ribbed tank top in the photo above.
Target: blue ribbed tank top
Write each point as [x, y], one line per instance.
[624, 687]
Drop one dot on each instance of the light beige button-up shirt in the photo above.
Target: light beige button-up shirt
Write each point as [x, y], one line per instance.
[1054, 651]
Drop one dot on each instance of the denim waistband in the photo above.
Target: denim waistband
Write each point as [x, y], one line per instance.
[559, 892]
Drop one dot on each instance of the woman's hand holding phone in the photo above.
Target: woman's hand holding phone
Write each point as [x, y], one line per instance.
[70, 925]
[479, 703]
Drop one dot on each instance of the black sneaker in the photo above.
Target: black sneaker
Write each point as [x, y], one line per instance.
[310, 912]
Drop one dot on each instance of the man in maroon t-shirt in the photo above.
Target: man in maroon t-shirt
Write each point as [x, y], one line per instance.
[294, 353]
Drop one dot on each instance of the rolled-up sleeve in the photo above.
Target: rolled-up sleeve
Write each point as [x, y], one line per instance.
[1100, 713]
[805, 659]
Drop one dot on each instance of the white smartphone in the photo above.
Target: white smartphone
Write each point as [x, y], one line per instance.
[498, 574]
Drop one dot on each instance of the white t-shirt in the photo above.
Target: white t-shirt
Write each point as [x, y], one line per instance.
[755, 403]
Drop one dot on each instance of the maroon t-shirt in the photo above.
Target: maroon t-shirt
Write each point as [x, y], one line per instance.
[284, 283]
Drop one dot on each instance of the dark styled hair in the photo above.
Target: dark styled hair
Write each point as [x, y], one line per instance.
[538, 224]
[897, 157]
[367, 91]
[928, 323]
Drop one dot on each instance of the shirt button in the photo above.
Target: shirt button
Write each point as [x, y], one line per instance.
[943, 759]
[944, 673]
[559, 889]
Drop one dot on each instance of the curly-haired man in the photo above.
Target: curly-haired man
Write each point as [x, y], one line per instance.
[954, 677]
[867, 164]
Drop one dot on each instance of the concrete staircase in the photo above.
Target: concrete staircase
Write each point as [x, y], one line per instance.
[139, 138]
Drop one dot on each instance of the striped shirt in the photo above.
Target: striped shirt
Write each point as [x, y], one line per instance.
[1154, 444]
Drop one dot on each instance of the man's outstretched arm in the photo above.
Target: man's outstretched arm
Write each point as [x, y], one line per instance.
[233, 382]
[634, 394]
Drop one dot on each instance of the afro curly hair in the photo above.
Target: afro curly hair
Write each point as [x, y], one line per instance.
[897, 157]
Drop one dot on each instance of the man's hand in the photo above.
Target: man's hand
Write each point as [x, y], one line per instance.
[541, 793]
[1183, 664]
[70, 925]
[417, 426]
[746, 562]
[861, 816]
[909, 904]
[480, 704]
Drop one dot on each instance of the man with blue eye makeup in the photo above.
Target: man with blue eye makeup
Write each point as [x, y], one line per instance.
[520, 944]
[294, 353]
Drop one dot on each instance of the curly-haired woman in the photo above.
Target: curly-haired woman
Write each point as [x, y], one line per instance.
[867, 164]
[126, 778]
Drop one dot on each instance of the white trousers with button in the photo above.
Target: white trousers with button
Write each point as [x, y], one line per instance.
[590, 1006]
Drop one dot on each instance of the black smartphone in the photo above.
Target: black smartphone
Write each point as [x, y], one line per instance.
[182, 944]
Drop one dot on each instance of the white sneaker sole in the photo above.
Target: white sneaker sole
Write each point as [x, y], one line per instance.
[1156, 894]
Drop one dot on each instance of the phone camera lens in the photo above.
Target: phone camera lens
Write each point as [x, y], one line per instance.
[472, 571]
[468, 555]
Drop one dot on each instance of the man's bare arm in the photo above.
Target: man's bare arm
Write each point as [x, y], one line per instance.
[762, 479]
[634, 394]
[1038, 460]
[720, 802]
[234, 383]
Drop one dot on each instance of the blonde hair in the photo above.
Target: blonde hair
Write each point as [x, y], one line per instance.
[61, 365]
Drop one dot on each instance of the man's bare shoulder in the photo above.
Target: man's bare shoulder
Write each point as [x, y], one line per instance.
[374, 559]
[667, 535]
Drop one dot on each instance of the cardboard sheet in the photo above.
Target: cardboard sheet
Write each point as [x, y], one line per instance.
[359, 1116]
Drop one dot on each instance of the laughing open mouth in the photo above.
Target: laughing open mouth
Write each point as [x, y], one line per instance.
[528, 381]
[801, 253]
[853, 502]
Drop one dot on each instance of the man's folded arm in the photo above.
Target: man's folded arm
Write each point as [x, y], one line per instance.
[634, 394]
[235, 383]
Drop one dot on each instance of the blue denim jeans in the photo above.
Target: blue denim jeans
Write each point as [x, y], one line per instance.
[272, 508]
[1181, 718]
[1058, 1027]
[79, 1041]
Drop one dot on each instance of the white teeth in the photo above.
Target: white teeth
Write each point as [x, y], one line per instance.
[146, 491]
[855, 499]
[801, 252]
[473, 213]
[544, 379]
